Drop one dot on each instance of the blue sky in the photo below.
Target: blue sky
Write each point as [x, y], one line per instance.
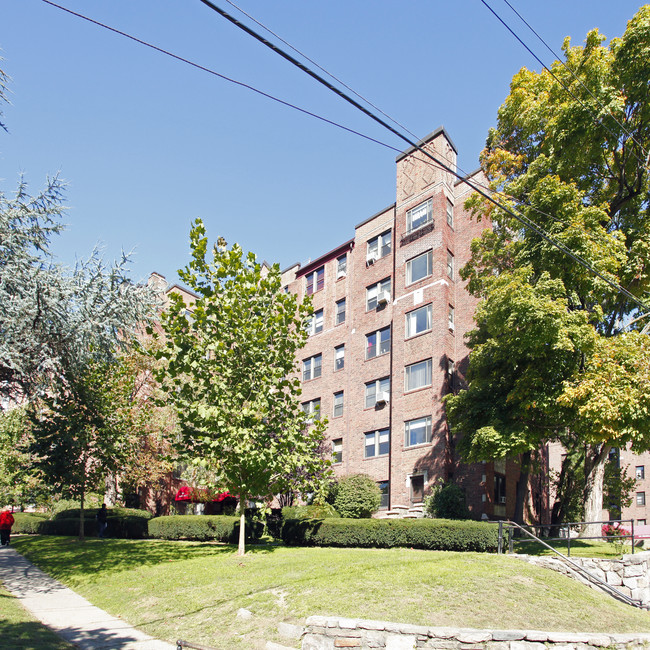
[147, 143]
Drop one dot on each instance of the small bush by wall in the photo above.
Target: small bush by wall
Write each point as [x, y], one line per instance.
[432, 534]
[27, 522]
[447, 501]
[357, 496]
[220, 528]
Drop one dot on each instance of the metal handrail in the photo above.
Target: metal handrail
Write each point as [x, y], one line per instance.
[602, 583]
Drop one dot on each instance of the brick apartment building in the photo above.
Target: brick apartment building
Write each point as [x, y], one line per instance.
[387, 339]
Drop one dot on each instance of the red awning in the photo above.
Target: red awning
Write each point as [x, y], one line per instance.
[200, 495]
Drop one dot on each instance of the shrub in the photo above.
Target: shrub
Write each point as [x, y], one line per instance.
[220, 528]
[357, 496]
[123, 523]
[315, 511]
[447, 501]
[431, 534]
[28, 522]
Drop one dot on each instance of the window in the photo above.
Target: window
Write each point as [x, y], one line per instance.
[640, 471]
[377, 294]
[338, 404]
[640, 522]
[640, 498]
[419, 216]
[339, 357]
[450, 213]
[377, 391]
[384, 491]
[337, 450]
[378, 343]
[377, 443]
[312, 367]
[418, 321]
[341, 266]
[419, 267]
[450, 318]
[417, 489]
[315, 280]
[340, 312]
[314, 324]
[451, 374]
[312, 408]
[379, 246]
[499, 489]
[450, 265]
[418, 375]
[417, 432]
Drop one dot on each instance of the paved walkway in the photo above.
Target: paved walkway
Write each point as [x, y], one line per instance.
[67, 613]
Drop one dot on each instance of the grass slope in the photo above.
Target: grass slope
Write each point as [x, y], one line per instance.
[192, 591]
[20, 630]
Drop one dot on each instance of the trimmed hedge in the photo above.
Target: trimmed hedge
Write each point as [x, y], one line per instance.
[431, 534]
[222, 528]
[314, 511]
[28, 522]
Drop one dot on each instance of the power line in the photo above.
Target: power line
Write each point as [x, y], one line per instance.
[219, 75]
[519, 217]
[557, 79]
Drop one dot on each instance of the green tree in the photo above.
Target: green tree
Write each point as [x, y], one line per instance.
[576, 164]
[231, 374]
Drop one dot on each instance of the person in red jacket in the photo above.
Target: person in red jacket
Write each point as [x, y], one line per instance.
[6, 522]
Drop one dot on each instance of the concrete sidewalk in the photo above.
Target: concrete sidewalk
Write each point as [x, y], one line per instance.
[68, 614]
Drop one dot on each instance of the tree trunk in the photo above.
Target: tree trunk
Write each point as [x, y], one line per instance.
[110, 487]
[242, 526]
[81, 515]
[595, 459]
[522, 487]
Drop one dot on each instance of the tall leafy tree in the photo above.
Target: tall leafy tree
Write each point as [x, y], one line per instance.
[231, 374]
[570, 152]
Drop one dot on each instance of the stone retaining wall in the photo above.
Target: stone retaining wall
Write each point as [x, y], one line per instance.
[630, 575]
[331, 633]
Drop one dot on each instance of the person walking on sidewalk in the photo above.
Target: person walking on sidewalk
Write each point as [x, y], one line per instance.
[6, 522]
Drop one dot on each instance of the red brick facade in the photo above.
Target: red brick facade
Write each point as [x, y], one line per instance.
[418, 246]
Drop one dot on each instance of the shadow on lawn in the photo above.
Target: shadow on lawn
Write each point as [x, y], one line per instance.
[67, 557]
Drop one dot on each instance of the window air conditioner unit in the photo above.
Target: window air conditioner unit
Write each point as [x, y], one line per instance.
[340, 274]
[371, 259]
[502, 500]
[383, 397]
[383, 298]
[452, 327]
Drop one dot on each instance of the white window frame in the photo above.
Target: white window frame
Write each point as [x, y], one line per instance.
[310, 367]
[450, 214]
[379, 246]
[312, 408]
[450, 265]
[373, 291]
[451, 318]
[378, 343]
[314, 323]
[339, 353]
[409, 425]
[384, 490]
[640, 498]
[411, 368]
[338, 403]
[311, 280]
[337, 451]
[342, 266]
[339, 316]
[378, 386]
[428, 270]
[427, 208]
[379, 438]
[412, 319]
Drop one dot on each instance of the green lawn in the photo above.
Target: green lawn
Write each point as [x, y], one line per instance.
[579, 548]
[20, 630]
[192, 591]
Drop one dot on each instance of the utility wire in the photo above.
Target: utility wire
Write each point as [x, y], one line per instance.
[329, 74]
[519, 217]
[575, 76]
[566, 88]
[219, 75]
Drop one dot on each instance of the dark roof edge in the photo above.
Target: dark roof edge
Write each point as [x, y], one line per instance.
[425, 140]
[326, 256]
[460, 180]
[291, 266]
[365, 221]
